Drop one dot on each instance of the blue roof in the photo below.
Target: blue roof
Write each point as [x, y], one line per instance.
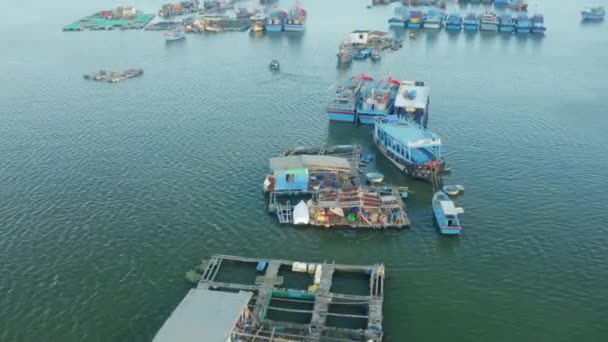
[406, 132]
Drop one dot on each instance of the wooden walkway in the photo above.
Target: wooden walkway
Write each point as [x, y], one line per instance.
[318, 329]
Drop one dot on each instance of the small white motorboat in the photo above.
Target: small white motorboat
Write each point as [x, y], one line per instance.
[453, 190]
[374, 177]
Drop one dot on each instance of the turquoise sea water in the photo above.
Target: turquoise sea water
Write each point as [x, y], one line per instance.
[110, 192]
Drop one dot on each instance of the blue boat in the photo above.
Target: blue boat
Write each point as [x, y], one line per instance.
[174, 35]
[362, 54]
[453, 22]
[415, 19]
[505, 23]
[434, 19]
[518, 5]
[411, 148]
[296, 19]
[376, 100]
[343, 106]
[523, 24]
[399, 17]
[538, 24]
[594, 13]
[375, 55]
[446, 214]
[412, 102]
[501, 3]
[275, 21]
[471, 22]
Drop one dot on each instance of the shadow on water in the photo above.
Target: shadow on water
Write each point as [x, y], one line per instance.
[343, 68]
[431, 37]
[591, 23]
[506, 35]
[295, 38]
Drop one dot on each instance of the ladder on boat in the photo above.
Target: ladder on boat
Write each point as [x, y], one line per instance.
[284, 212]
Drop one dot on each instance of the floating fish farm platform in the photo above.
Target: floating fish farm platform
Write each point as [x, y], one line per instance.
[248, 299]
[124, 18]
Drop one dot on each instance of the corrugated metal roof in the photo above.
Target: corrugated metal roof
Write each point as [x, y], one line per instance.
[309, 162]
[204, 315]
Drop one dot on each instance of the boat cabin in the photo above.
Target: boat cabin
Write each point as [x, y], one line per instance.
[406, 142]
[412, 101]
[451, 214]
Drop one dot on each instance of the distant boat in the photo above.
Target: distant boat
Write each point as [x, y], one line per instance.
[594, 13]
[489, 22]
[375, 55]
[505, 23]
[453, 22]
[343, 105]
[377, 99]
[434, 19]
[174, 35]
[257, 22]
[523, 24]
[518, 5]
[295, 19]
[416, 19]
[362, 54]
[471, 22]
[399, 17]
[538, 24]
[446, 214]
[274, 65]
[275, 21]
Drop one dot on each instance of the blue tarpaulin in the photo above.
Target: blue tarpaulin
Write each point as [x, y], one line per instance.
[296, 179]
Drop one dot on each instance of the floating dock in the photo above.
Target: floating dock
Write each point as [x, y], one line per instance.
[125, 18]
[247, 299]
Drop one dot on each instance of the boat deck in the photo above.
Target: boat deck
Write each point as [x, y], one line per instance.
[319, 300]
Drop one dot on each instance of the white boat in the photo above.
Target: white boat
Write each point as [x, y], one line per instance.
[374, 177]
[301, 214]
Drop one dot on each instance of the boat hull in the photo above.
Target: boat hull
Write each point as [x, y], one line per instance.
[368, 119]
[273, 28]
[524, 30]
[433, 26]
[422, 172]
[489, 27]
[294, 27]
[441, 219]
[453, 27]
[505, 28]
[341, 116]
[539, 30]
[471, 27]
[396, 22]
[414, 25]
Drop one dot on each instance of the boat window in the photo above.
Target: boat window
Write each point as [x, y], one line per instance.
[290, 177]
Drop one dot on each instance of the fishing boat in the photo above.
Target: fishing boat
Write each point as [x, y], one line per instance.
[453, 190]
[362, 54]
[489, 22]
[376, 99]
[343, 105]
[471, 22]
[453, 22]
[399, 17]
[538, 24]
[434, 19]
[274, 65]
[505, 23]
[375, 55]
[296, 18]
[415, 19]
[412, 102]
[446, 214]
[345, 55]
[501, 3]
[374, 177]
[523, 24]
[275, 21]
[174, 35]
[594, 13]
[243, 13]
[414, 150]
[257, 22]
[518, 5]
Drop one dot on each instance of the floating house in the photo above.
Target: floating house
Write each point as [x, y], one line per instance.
[267, 307]
[412, 102]
[414, 150]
